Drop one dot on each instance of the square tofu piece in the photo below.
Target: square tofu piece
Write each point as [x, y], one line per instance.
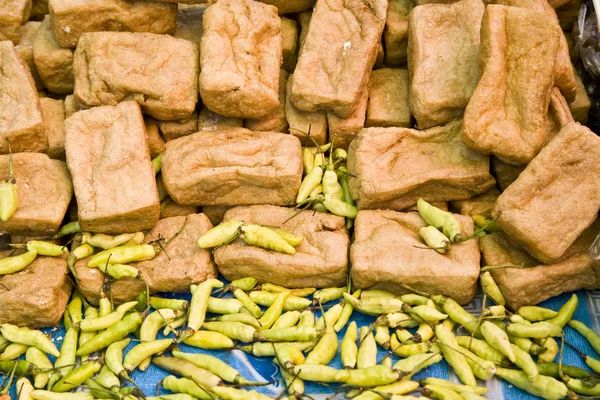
[302, 123]
[27, 34]
[443, 46]
[556, 197]
[13, 13]
[233, 167]
[241, 54]
[388, 98]
[54, 116]
[337, 57]
[176, 129]
[506, 115]
[343, 130]
[112, 173]
[73, 18]
[181, 264]
[321, 260]
[54, 63]
[21, 119]
[276, 121]
[393, 167]
[395, 34]
[537, 282]
[388, 251]
[158, 71]
[37, 296]
[45, 190]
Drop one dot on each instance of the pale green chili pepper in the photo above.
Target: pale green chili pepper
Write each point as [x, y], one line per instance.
[349, 349]
[307, 318]
[274, 311]
[9, 196]
[331, 186]
[266, 238]
[491, 288]
[592, 337]
[471, 396]
[405, 336]
[100, 392]
[441, 392]
[411, 299]
[178, 396]
[82, 251]
[229, 393]
[234, 330]
[24, 389]
[29, 337]
[22, 367]
[75, 308]
[382, 336]
[101, 323]
[294, 334]
[144, 350]
[498, 339]
[247, 302]
[485, 223]
[553, 370]
[376, 375]
[303, 292]
[580, 387]
[157, 163]
[377, 306]
[155, 321]
[246, 284]
[119, 271]
[534, 313]
[68, 229]
[453, 356]
[42, 248]
[188, 370]
[11, 265]
[123, 255]
[184, 385]
[174, 304]
[330, 317]
[566, 312]
[435, 239]
[526, 345]
[411, 365]
[346, 313]
[243, 318]
[444, 220]
[325, 349]
[544, 386]
[40, 360]
[209, 340]
[199, 302]
[407, 349]
[427, 314]
[482, 349]
[319, 160]
[90, 314]
[367, 349]
[214, 365]
[288, 356]
[309, 183]
[293, 240]
[174, 325]
[106, 241]
[397, 320]
[295, 385]
[339, 207]
[13, 351]
[47, 395]
[107, 379]
[524, 360]
[425, 332]
[3, 343]
[114, 358]
[287, 320]
[537, 330]
[220, 234]
[116, 332]
[317, 373]
[458, 314]
[291, 303]
[328, 294]
[77, 376]
[270, 349]
[454, 386]
[217, 305]
[308, 160]
[551, 350]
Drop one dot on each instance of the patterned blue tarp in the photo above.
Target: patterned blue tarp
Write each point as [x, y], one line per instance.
[262, 369]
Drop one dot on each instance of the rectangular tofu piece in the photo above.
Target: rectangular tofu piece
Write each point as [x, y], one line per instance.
[233, 167]
[478, 205]
[54, 116]
[276, 121]
[388, 98]
[290, 6]
[303, 123]
[181, 264]
[337, 57]
[176, 129]
[387, 251]
[393, 167]
[241, 54]
[580, 107]
[37, 296]
[27, 34]
[54, 63]
[395, 34]
[160, 72]
[112, 173]
[321, 260]
[21, 119]
[289, 31]
[72, 18]
[443, 45]
[189, 24]
[343, 130]
[13, 13]
[506, 114]
[556, 197]
[45, 190]
[538, 282]
[210, 121]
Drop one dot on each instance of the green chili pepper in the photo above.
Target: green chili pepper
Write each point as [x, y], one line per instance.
[246, 284]
[339, 207]
[427, 314]
[435, 239]
[243, 318]
[592, 337]
[346, 312]
[288, 356]
[209, 340]
[411, 365]
[553, 370]
[174, 304]
[47, 395]
[270, 349]
[68, 229]
[534, 313]
[566, 312]
[407, 349]
[274, 311]
[491, 288]
[377, 306]
[216, 366]
[143, 351]
[349, 349]
[234, 330]
[293, 240]
[123, 255]
[376, 375]
[287, 320]
[11, 265]
[9, 196]
[546, 387]
[549, 350]
[101, 323]
[308, 160]
[22, 367]
[247, 302]
[539, 330]
[325, 349]
[291, 303]
[217, 305]
[13, 351]
[220, 234]
[157, 163]
[367, 349]
[458, 314]
[330, 317]
[318, 373]
[485, 223]
[188, 370]
[107, 379]
[454, 386]
[331, 186]
[184, 385]
[482, 349]
[453, 356]
[199, 302]
[24, 389]
[395, 320]
[29, 337]
[75, 308]
[441, 392]
[498, 339]
[382, 336]
[266, 238]
[155, 321]
[309, 183]
[328, 294]
[580, 387]
[40, 360]
[444, 220]
[90, 314]
[114, 358]
[294, 334]
[524, 360]
[42, 248]
[295, 385]
[307, 318]
[116, 332]
[77, 376]
[229, 393]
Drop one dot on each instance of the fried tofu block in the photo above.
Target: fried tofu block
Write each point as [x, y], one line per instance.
[72, 18]
[290, 6]
[394, 167]
[13, 13]
[538, 282]
[580, 107]
[478, 205]
[241, 54]
[321, 260]
[233, 167]
[170, 209]
[45, 190]
[112, 173]
[27, 34]
[556, 197]
[504, 173]
[395, 34]
[21, 119]
[37, 296]
[289, 30]
[387, 251]
[506, 114]
[302, 123]
[181, 264]
[336, 59]
[443, 46]
[189, 24]
[54, 63]
[388, 98]
[176, 129]
[210, 121]
[158, 71]
[276, 121]
[54, 116]
[343, 130]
